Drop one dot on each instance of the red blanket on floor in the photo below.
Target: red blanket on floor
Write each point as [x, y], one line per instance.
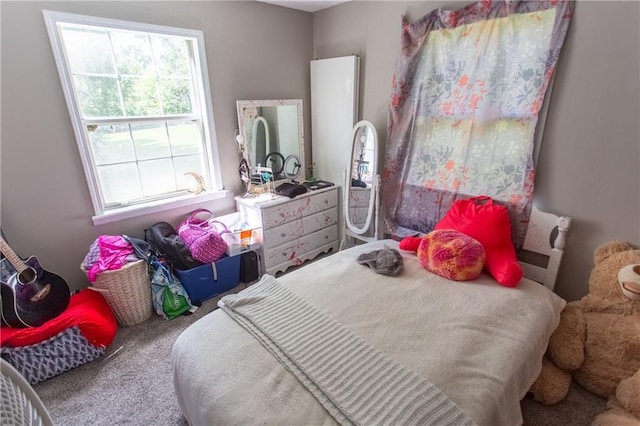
[87, 309]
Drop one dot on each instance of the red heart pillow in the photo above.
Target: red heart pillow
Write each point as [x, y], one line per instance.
[410, 243]
[488, 223]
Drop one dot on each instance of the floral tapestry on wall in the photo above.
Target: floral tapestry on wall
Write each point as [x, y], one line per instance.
[467, 91]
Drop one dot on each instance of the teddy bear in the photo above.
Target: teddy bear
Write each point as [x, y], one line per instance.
[597, 342]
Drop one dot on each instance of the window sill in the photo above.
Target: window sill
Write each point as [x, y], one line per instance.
[155, 207]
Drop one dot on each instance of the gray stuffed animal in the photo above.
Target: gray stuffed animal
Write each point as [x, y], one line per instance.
[386, 261]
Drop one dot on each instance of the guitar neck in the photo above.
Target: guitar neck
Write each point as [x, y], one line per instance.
[11, 256]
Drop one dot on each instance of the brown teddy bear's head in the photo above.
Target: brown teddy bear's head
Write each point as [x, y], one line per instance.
[605, 291]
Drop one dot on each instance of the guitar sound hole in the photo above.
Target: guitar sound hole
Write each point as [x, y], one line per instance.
[27, 276]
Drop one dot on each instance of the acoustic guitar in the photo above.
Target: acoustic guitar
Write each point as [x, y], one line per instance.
[30, 294]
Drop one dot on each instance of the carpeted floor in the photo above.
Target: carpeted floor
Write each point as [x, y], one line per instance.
[135, 387]
[579, 408]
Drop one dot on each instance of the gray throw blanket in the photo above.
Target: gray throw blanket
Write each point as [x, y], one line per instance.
[356, 383]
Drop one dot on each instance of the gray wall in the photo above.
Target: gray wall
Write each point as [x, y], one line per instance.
[254, 51]
[589, 165]
[588, 169]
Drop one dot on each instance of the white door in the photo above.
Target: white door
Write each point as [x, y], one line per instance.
[334, 111]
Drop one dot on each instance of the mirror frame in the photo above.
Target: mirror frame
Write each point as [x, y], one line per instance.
[348, 175]
[242, 104]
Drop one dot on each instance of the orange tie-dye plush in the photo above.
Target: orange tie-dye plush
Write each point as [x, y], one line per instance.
[452, 255]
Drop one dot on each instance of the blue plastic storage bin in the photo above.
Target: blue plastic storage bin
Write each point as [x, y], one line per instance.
[207, 281]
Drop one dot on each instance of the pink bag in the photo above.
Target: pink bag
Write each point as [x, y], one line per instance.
[199, 233]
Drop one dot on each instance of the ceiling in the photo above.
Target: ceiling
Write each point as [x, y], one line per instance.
[306, 5]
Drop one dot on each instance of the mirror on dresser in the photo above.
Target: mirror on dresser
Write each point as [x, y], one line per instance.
[273, 135]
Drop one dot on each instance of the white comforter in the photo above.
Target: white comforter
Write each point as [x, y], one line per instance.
[479, 342]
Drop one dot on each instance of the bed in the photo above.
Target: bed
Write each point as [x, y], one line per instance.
[480, 344]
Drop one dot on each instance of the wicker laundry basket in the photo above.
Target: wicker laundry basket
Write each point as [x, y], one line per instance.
[128, 292]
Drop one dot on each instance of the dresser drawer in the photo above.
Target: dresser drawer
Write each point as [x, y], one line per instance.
[359, 197]
[294, 251]
[358, 215]
[297, 208]
[300, 227]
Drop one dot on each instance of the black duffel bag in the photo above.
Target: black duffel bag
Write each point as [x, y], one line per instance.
[164, 240]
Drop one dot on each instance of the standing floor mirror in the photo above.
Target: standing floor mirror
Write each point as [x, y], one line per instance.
[362, 185]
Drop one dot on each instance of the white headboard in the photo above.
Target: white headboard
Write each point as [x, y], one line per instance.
[543, 247]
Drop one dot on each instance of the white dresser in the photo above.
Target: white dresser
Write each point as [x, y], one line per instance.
[293, 229]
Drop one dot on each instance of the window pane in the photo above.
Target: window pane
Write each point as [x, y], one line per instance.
[88, 50]
[175, 95]
[157, 176]
[150, 140]
[138, 105]
[185, 138]
[111, 144]
[140, 96]
[172, 56]
[132, 53]
[120, 182]
[189, 163]
[98, 96]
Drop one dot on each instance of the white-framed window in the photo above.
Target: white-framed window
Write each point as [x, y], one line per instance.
[139, 100]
